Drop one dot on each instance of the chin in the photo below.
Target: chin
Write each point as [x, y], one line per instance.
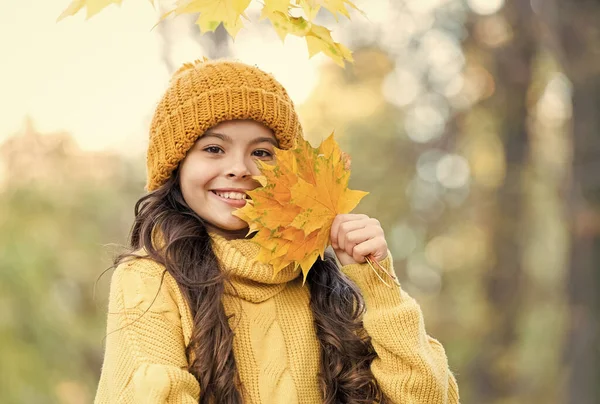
[232, 226]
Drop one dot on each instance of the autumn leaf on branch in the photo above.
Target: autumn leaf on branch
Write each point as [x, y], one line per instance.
[92, 7]
[292, 213]
[335, 7]
[212, 13]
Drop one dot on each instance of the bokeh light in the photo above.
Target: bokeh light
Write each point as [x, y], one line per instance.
[452, 171]
[485, 7]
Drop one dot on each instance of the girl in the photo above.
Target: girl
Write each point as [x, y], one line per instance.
[193, 317]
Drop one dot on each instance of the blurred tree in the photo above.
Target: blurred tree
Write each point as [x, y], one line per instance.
[495, 370]
[213, 45]
[575, 26]
[371, 120]
[390, 111]
[57, 203]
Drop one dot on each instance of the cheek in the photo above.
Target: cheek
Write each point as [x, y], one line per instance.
[196, 174]
[254, 170]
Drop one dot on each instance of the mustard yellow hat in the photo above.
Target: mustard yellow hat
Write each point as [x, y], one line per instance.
[204, 93]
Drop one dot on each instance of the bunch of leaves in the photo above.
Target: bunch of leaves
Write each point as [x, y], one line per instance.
[230, 13]
[292, 213]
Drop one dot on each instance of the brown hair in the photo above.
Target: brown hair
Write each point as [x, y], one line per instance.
[337, 306]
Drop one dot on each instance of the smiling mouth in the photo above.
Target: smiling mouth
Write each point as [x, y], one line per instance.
[240, 196]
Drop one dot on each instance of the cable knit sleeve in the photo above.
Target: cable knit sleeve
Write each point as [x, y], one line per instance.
[411, 367]
[144, 360]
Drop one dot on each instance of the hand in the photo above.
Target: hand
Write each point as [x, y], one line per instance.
[353, 237]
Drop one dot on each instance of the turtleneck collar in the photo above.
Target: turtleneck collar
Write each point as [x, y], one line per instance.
[251, 280]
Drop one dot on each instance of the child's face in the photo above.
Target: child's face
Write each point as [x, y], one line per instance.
[219, 168]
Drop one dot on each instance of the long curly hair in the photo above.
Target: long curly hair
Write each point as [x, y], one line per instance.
[186, 253]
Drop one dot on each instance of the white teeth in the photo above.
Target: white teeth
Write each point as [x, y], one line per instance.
[231, 195]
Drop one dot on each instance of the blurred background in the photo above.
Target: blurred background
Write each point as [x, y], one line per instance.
[474, 125]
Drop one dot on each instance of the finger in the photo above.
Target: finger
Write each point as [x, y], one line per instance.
[377, 247]
[350, 226]
[337, 221]
[371, 226]
[358, 236]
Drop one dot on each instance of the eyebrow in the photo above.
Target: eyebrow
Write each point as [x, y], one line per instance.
[227, 138]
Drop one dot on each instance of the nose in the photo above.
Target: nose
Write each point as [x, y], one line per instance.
[240, 168]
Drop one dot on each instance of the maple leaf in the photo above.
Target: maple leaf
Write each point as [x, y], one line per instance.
[319, 40]
[272, 6]
[311, 7]
[92, 7]
[292, 213]
[213, 13]
[284, 24]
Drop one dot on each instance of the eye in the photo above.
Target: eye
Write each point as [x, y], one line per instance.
[261, 153]
[213, 149]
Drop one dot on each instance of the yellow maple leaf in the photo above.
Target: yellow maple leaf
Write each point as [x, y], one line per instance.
[307, 162]
[311, 7]
[319, 40]
[92, 7]
[213, 13]
[292, 213]
[323, 200]
[272, 6]
[270, 204]
[284, 24]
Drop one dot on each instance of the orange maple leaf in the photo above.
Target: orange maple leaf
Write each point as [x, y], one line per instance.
[292, 213]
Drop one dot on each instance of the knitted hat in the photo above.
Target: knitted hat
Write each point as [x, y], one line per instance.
[204, 93]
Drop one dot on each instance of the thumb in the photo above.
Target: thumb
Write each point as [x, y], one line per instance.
[343, 257]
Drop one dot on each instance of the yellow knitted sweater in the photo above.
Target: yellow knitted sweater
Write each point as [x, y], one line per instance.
[275, 344]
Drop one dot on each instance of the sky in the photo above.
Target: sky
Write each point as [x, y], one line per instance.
[100, 79]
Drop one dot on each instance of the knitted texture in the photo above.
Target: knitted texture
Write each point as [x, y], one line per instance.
[275, 343]
[202, 94]
[273, 325]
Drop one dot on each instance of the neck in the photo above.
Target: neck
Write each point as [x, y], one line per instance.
[228, 234]
[249, 278]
